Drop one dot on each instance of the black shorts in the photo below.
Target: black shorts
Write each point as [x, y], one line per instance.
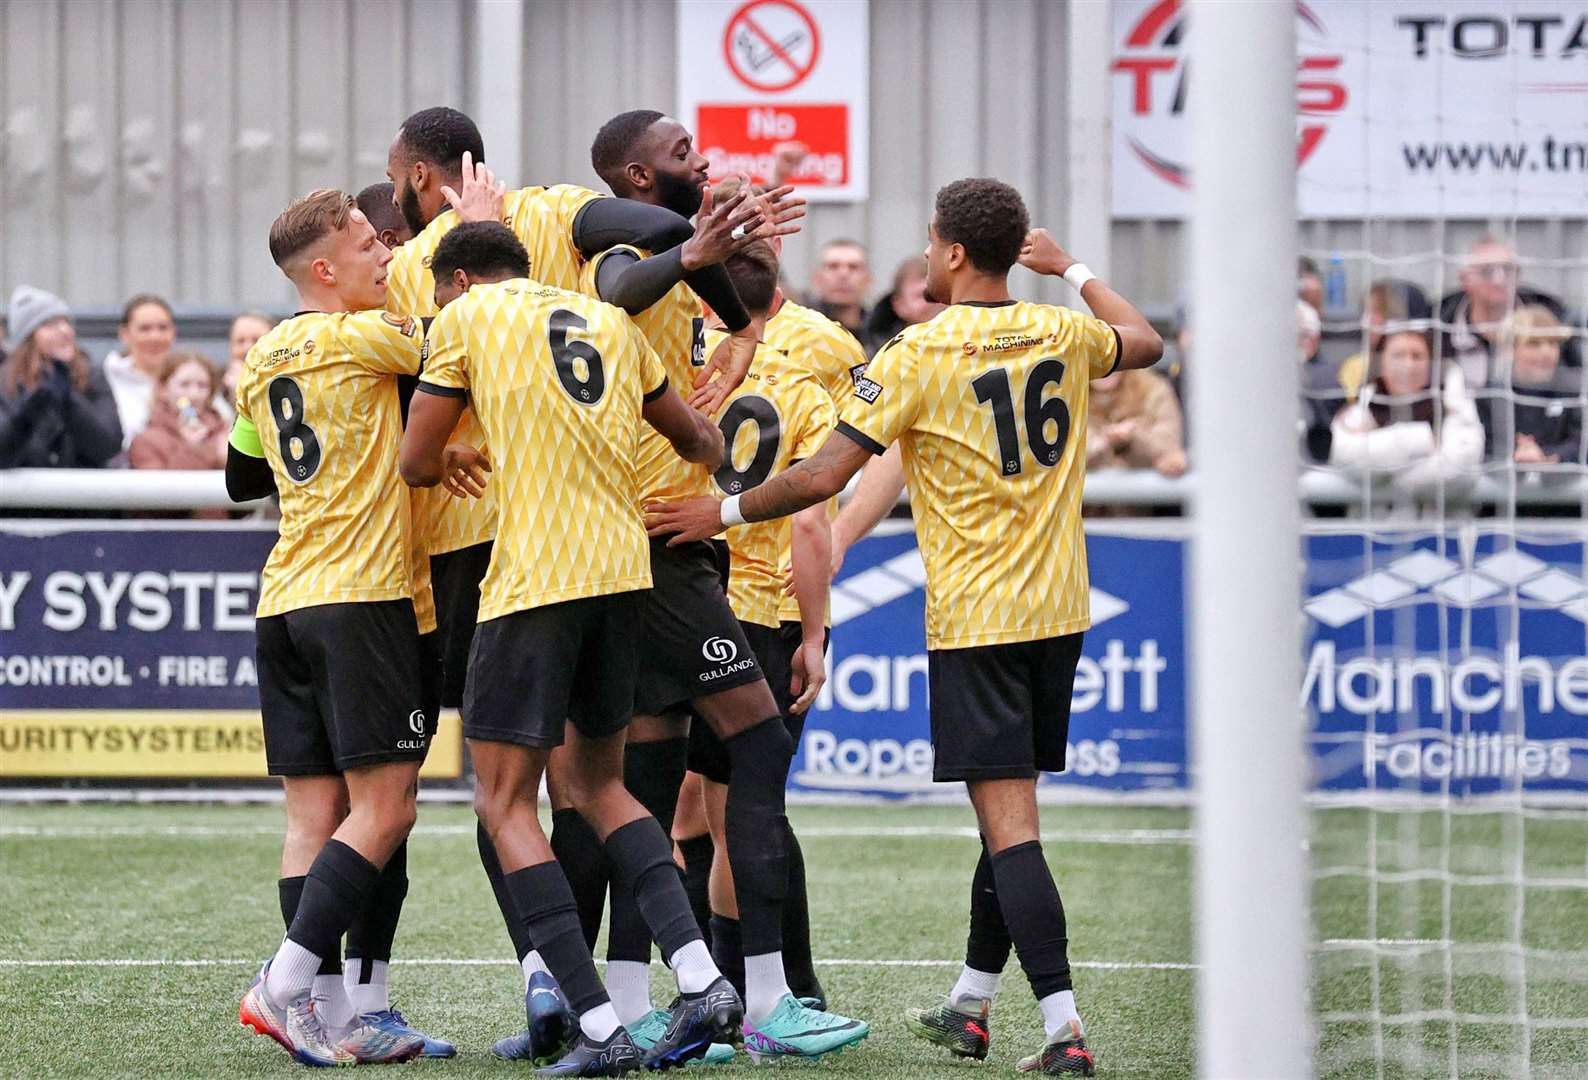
[455, 582]
[342, 686]
[775, 650]
[1001, 711]
[532, 671]
[693, 644]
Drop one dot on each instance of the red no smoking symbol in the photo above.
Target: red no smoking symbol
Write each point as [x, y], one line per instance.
[771, 45]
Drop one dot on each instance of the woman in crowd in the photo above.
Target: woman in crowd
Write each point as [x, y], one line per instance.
[1135, 423]
[185, 431]
[1400, 423]
[55, 409]
[147, 333]
[1545, 427]
[905, 306]
[1388, 301]
[246, 329]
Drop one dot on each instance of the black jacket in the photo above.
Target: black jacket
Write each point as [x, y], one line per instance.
[1551, 414]
[56, 425]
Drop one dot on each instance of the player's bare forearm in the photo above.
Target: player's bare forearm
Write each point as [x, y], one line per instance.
[1139, 344]
[811, 549]
[432, 417]
[693, 436]
[881, 481]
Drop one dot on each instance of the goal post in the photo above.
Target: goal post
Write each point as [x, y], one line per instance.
[1251, 872]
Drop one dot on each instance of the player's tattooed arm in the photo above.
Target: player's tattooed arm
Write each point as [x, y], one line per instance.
[815, 480]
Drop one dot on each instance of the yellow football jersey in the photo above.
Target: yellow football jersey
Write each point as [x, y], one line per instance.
[319, 390]
[814, 341]
[542, 218]
[819, 343]
[780, 414]
[557, 380]
[989, 404]
[673, 325]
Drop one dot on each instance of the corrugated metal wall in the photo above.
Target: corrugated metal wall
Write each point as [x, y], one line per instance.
[149, 143]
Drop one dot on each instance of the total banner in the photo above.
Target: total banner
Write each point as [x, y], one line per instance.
[129, 652]
[1406, 108]
[1433, 663]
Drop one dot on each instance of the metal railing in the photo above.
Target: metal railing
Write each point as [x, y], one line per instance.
[132, 489]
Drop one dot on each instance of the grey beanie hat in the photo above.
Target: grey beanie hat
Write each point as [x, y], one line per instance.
[30, 309]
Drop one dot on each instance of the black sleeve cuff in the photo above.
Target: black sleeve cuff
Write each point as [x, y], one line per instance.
[860, 438]
[658, 392]
[442, 391]
[1119, 349]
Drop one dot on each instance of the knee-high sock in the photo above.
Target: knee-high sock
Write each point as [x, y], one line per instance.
[584, 868]
[335, 890]
[1035, 916]
[698, 851]
[798, 964]
[504, 902]
[757, 832]
[370, 937]
[653, 773]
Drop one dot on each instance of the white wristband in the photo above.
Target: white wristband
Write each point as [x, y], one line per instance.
[730, 511]
[1078, 275]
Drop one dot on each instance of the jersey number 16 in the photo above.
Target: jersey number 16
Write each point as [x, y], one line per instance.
[992, 388]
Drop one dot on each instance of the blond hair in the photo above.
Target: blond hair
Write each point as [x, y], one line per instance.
[307, 220]
[1535, 322]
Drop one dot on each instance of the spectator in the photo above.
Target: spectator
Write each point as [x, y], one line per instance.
[185, 431]
[1389, 302]
[1309, 283]
[1476, 317]
[246, 329]
[1320, 390]
[905, 306]
[55, 408]
[1397, 425]
[840, 284]
[147, 332]
[1135, 424]
[1546, 425]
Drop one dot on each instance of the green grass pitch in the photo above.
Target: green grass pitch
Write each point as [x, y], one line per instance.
[94, 884]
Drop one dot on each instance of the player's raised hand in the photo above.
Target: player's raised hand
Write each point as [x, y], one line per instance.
[724, 371]
[482, 197]
[810, 673]
[685, 520]
[1043, 254]
[716, 224]
[780, 209]
[463, 470]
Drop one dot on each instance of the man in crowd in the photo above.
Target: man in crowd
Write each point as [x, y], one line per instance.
[840, 282]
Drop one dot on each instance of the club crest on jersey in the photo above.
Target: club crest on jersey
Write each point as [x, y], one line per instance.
[405, 323]
[866, 390]
[308, 347]
[969, 348]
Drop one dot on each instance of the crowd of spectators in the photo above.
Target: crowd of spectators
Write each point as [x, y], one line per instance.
[1433, 389]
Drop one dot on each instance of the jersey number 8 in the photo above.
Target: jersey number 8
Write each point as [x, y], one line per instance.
[992, 387]
[300, 446]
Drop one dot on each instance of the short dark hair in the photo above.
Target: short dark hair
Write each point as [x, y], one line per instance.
[753, 271]
[439, 136]
[1304, 265]
[375, 203]
[614, 144]
[480, 248]
[987, 218]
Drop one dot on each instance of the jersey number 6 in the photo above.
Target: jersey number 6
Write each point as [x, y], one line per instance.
[993, 387]
[586, 390]
[300, 446]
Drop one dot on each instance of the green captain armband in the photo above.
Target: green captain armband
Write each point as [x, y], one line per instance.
[245, 438]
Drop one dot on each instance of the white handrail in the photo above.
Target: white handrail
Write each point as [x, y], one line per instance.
[159, 489]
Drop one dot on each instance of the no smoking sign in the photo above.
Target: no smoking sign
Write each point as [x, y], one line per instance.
[772, 45]
[753, 74]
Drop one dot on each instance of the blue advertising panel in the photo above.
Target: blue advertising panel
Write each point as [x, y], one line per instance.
[869, 730]
[1448, 661]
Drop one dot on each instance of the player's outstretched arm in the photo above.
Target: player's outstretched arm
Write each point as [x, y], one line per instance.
[812, 481]
[1139, 344]
[432, 416]
[881, 481]
[693, 435]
